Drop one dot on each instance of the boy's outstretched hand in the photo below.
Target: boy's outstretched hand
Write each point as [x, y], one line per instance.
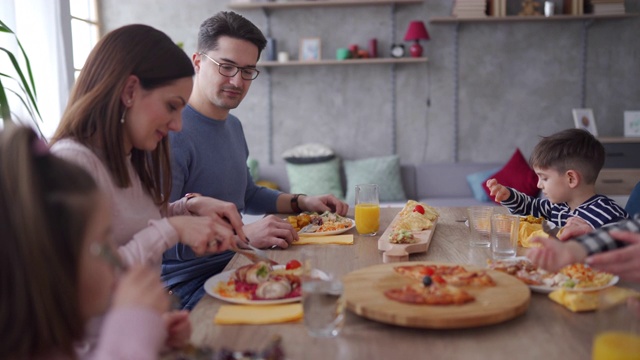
[500, 192]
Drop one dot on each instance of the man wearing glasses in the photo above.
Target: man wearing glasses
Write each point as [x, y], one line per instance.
[210, 153]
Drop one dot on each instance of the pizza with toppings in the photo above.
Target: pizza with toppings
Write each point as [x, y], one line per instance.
[438, 284]
[455, 275]
[433, 294]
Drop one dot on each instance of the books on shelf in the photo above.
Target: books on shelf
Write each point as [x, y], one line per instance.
[608, 7]
[469, 8]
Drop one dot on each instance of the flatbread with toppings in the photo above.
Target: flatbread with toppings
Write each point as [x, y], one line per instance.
[434, 294]
[444, 274]
[437, 284]
[416, 216]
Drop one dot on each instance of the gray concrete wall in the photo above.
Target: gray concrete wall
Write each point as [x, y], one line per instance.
[517, 81]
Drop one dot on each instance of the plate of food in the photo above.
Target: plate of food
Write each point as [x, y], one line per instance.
[260, 284]
[575, 277]
[314, 224]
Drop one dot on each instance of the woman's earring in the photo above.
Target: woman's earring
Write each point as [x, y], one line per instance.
[124, 112]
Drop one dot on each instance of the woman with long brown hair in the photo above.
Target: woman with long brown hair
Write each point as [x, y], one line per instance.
[128, 97]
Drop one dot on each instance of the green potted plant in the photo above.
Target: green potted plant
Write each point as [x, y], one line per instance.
[27, 95]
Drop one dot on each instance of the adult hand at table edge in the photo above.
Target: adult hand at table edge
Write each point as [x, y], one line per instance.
[269, 231]
[623, 261]
[554, 255]
[322, 203]
[574, 227]
[208, 206]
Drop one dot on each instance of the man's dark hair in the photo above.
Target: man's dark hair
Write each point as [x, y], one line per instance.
[571, 149]
[228, 23]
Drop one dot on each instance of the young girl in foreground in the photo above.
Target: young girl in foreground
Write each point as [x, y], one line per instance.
[52, 279]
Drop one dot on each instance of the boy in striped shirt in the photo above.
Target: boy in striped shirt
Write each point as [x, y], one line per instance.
[567, 164]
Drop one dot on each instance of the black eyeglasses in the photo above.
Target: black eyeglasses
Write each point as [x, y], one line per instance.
[228, 70]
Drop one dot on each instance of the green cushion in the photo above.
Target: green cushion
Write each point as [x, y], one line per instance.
[316, 179]
[384, 171]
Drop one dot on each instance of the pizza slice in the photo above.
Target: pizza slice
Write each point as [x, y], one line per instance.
[434, 294]
[444, 274]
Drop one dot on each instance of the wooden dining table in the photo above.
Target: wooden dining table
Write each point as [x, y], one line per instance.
[545, 331]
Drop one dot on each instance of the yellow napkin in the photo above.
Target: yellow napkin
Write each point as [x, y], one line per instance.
[335, 239]
[258, 315]
[577, 301]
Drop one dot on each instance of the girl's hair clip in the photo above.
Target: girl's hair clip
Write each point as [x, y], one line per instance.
[39, 147]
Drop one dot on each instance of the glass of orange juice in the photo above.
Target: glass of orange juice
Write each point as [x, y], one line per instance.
[367, 209]
[618, 327]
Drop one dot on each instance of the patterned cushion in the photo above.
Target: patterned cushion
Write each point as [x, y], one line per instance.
[308, 154]
[384, 171]
[316, 179]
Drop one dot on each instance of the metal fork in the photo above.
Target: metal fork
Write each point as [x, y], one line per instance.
[254, 254]
[106, 252]
[551, 231]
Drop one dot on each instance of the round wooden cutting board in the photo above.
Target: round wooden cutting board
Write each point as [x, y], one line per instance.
[364, 294]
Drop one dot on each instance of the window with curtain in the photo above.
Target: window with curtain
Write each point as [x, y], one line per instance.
[84, 30]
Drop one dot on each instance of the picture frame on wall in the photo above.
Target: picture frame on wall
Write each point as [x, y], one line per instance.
[310, 49]
[583, 118]
[632, 123]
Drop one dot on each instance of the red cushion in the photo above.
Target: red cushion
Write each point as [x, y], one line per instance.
[516, 174]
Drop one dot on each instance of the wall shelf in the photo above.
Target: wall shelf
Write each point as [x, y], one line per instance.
[455, 20]
[315, 3]
[406, 60]
[268, 6]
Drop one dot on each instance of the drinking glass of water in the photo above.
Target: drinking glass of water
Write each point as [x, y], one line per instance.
[323, 306]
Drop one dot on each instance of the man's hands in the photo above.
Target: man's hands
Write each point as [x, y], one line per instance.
[500, 192]
[554, 255]
[574, 227]
[323, 203]
[624, 261]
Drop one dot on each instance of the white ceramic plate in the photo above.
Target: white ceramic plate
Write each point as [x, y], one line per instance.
[334, 232]
[212, 282]
[547, 289]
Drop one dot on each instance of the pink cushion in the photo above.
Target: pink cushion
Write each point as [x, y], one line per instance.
[516, 174]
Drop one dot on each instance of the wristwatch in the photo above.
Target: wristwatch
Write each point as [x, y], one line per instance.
[397, 50]
[295, 207]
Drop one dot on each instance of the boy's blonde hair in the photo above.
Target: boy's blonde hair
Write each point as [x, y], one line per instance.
[571, 149]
